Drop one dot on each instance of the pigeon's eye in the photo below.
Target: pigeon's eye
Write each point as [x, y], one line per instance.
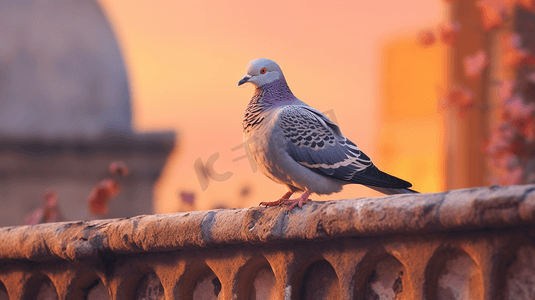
[263, 71]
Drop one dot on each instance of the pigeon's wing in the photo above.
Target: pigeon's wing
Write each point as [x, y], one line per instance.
[316, 142]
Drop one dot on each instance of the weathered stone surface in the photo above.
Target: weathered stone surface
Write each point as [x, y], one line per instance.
[386, 281]
[320, 282]
[149, 288]
[459, 278]
[98, 292]
[207, 287]
[429, 246]
[521, 275]
[467, 209]
[265, 285]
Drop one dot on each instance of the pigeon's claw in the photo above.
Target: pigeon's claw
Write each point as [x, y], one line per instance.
[297, 201]
[279, 202]
[272, 203]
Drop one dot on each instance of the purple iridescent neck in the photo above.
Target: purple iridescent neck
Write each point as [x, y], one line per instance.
[267, 96]
[273, 93]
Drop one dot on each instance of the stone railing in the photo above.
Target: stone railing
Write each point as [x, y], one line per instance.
[463, 244]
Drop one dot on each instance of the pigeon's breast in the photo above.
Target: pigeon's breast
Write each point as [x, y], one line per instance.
[265, 144]
[254, 116]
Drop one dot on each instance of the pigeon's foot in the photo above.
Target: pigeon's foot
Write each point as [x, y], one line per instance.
[297, 201]
[278, 202]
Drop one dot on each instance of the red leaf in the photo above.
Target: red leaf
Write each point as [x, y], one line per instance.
[517, 110]
[503, 140]
[529, 60]
[102, 195]
[449, 32]
[531, 177]
[493, 13]
[35, 217]
[526, 127]
[119, 168]
[475, 64]
[528, 4]
[509, 161]
[426, 38]
[515, 175]
[187, 197]
[49, 212]
[513, 54]
[50, 198]
[461, 97]
[506, 90]
[520, 115]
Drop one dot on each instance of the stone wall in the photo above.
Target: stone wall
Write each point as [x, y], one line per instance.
[74, 167]
[463, 244]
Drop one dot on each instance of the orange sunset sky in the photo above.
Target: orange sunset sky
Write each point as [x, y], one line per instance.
[185, 58]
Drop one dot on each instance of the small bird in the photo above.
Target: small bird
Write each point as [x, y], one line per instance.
[296, 145]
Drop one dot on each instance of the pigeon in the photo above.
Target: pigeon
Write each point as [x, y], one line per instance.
[298, 146]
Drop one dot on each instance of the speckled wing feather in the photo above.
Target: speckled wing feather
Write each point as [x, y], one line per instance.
[316, 142]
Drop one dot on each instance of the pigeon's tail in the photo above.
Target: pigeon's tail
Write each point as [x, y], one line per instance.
[392, 191]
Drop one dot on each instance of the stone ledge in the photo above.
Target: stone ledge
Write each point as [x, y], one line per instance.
[113, 142]
[458, 210]
[86, 159]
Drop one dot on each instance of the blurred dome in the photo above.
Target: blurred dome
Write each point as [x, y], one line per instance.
[61, 72]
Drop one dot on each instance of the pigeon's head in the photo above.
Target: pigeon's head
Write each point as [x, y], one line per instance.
[261, 71]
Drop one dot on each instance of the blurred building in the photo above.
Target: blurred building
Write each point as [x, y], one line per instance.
[444, 145]
[411, 135]
[485, 26]
[65, 112]
[466, 136]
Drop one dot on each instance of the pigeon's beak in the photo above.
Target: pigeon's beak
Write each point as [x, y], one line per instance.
[244, 79]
